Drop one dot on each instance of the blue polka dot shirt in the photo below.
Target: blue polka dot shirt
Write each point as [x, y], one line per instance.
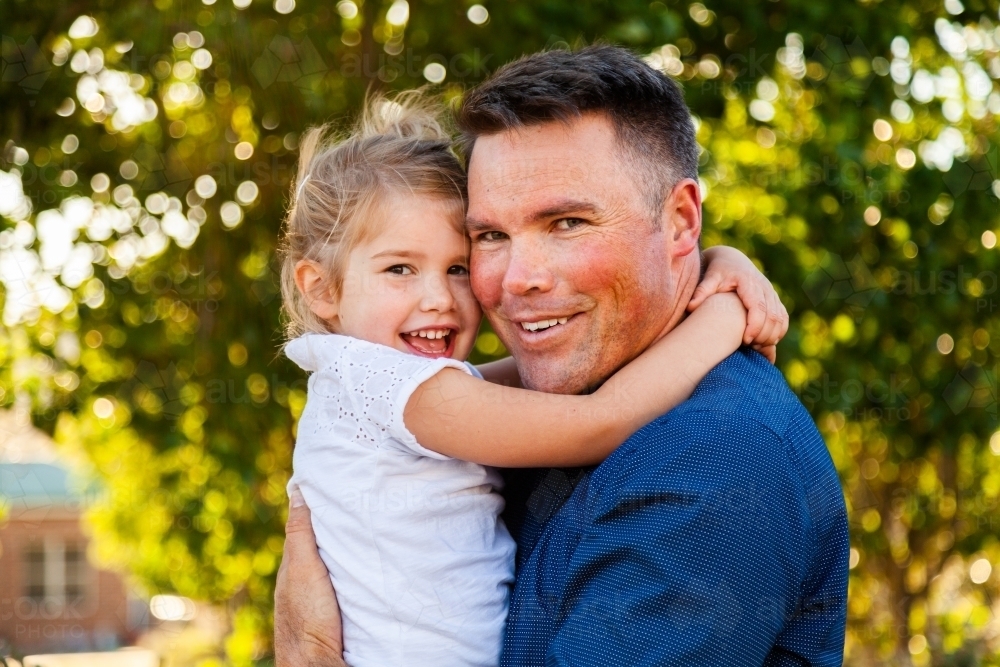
[716, 535]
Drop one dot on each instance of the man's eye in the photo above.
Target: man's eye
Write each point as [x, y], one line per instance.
[491, 237]
[568, 223]
[400, 270]
[457, 270]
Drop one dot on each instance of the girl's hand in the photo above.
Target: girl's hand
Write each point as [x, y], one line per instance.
[729, 270]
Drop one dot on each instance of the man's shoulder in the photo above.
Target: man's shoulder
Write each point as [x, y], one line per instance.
[744, 392]
[747, 385]
[742, 425]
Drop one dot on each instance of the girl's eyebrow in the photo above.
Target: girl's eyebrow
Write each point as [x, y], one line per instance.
[410, 254]
[406, 254]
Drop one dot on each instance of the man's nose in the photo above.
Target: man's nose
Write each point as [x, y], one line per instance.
[528, 270]
[437, 295]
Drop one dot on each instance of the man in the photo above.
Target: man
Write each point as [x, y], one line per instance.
[716, 534]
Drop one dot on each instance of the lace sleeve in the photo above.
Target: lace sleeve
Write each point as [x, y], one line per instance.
[378, 381]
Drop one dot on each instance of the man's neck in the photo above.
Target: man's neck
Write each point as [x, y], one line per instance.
[688, 278]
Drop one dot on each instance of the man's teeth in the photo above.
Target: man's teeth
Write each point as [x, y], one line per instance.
[431, 333]
[543, 324]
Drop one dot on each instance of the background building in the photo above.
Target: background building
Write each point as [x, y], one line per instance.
[51, 597]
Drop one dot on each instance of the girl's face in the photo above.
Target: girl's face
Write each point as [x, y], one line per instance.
[408, 287]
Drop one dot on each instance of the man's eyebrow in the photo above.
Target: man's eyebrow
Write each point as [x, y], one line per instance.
[560, 208]
[564, 207]
[473, 225]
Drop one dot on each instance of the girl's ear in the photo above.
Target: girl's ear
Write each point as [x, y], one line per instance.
[316, 290]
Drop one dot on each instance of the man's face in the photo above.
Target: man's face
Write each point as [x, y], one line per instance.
[575, 271]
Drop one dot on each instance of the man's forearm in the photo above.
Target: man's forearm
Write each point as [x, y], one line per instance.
[298, 647]
[307, 625]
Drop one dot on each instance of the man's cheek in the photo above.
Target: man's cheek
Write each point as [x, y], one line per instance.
[592, 268]
[486, 271]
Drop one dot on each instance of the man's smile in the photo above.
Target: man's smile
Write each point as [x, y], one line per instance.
[535, 332]
[541, 325]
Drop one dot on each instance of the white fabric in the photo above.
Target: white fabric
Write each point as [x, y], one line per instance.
[421, 562]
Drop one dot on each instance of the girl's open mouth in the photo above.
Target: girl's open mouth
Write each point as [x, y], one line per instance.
[431, 342]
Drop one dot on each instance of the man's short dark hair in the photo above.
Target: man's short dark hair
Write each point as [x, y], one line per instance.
[645, 106]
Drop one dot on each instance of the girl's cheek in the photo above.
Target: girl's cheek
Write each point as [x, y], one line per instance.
[470, 307]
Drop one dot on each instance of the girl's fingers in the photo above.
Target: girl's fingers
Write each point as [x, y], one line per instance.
[706, 288]
[777, 321]
[755, 300]
[783, 329]
[768, 331]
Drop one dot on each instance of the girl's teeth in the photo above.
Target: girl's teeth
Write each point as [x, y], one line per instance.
[440, 333]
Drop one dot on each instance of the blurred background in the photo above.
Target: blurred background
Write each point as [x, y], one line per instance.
[146, 417]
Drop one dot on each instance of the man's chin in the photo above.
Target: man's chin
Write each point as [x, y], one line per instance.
[554, 379]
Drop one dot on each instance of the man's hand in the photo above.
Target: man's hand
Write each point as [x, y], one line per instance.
[307, 629]
[729, 270]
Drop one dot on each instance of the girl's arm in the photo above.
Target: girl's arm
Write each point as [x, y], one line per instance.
[455, 414]
[503, 371]
[729, 270]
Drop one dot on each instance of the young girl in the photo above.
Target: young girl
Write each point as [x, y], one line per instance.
[393, 443]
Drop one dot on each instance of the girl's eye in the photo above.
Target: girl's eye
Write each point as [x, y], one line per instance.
[568, 223]
[400, 270]
[457, 270]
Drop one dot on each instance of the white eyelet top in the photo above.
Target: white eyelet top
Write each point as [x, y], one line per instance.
[421, 562]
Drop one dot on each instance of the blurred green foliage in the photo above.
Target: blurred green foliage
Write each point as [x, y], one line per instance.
[850, 147]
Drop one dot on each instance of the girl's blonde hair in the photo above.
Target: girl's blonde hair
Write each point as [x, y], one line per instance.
[398, 146]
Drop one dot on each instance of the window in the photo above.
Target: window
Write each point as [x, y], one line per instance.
[76, 571]
[55, 569]
[34, 563]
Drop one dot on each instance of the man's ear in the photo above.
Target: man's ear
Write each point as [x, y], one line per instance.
[315, 288]
[682, 217]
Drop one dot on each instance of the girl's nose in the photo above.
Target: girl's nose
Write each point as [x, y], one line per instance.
[437, 295]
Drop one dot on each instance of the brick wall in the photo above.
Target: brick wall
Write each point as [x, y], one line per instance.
[32, 621]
